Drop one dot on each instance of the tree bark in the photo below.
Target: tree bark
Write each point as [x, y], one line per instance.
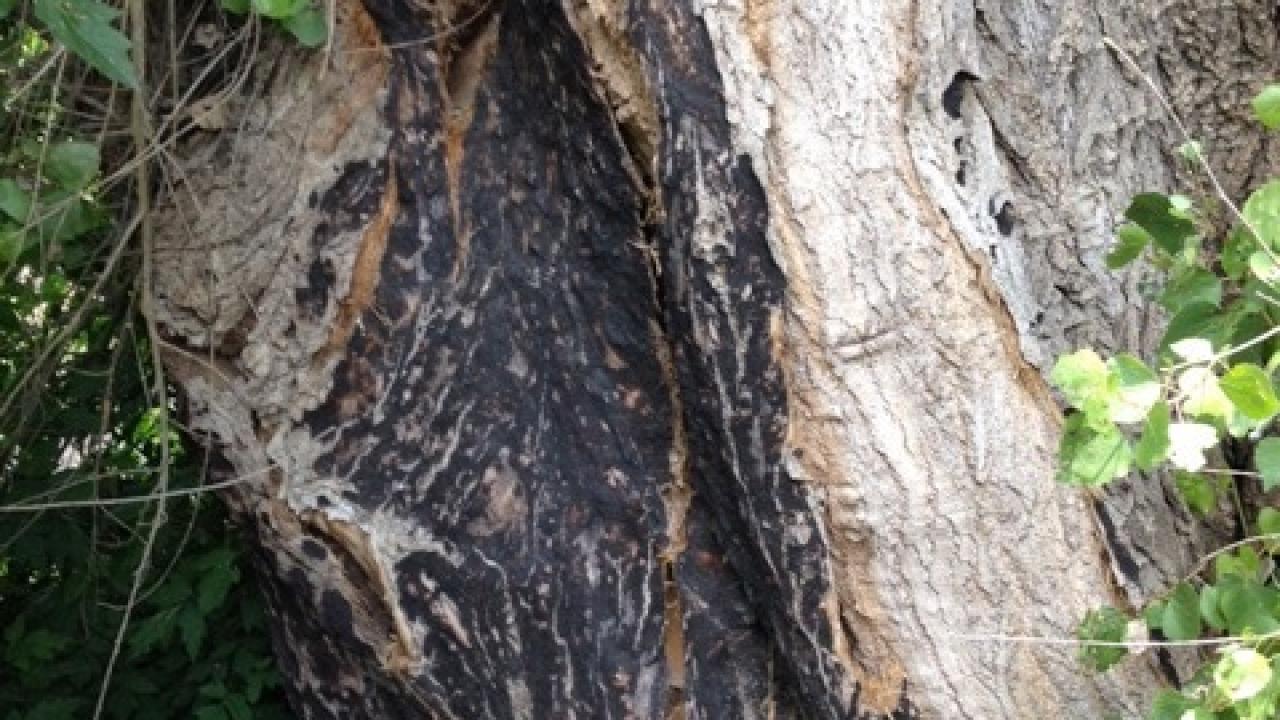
[649, 359]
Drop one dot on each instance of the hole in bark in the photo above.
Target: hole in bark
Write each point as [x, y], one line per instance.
[953, 96]
[1004, 218]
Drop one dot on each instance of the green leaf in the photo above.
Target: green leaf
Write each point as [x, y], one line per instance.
[1167, 226]
[1084, 380]
[211, 712]
[1197, 492]
[1153, 445]
[279, 9]
[1209, 608]
[1202, 395]
[213, 586]
[1194, 320]
[1236, 252]
[1090, 457]
[1136, 389]
[191, 624]
[1131, 240]
[1250, 390]
[1266, 457]
[1262, 213]
[1181, 620]
[12, 242]
[1264, 268]
[1153, 614]
[1105, 624]
[239, 7]
[1172, 705]
[6, 7]
[14, 201]
[85, 28]
[1246, 607]
[309, 26]
[1266, 107]
[1243, 564]
[72, 164]
[237, 708]
[1190, 287]
[1268, 521]
[151, 632]
[55, 709]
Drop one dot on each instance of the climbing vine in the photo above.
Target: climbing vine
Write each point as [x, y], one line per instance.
[1205, 410]
[122, 583]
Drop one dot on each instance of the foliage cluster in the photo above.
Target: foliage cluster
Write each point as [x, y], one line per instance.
[122, 591]
[1206, 409]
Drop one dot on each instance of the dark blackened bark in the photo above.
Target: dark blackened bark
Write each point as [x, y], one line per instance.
[534, 363]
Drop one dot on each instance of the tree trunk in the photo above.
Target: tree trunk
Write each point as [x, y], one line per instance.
[647, 359]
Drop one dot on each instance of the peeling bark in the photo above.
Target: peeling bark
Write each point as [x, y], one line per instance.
[664, 359]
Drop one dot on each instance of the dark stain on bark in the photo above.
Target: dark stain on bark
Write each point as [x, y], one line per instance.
[504, 395]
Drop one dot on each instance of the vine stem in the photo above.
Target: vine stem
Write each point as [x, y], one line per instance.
[1129, 644]
[140, 126]
[1186, 136]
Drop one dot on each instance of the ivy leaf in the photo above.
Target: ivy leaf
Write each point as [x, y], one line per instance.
[72, 164]
[1268, 521]
[1266, 107]
[1267, 459]
[1181, 620]
[1245, 605]
[1197, 492]
[1084, 380]
[1166, 225]
[84, 27]
[1243, 564]
[1262, 212]
[1172, 705]
[1196, 320]
[1105, 624]
[1153, 445]
[1202, 395]
[1209, 608]
[238, 7]
[1137, 389]
[1243, 673]
[1250, 390]
[1131, 240]
[1091, 457]
[1188, 442]
[1192, 286]
[279, 9]
[309, 27]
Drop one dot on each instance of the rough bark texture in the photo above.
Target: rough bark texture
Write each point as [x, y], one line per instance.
[608, 358]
